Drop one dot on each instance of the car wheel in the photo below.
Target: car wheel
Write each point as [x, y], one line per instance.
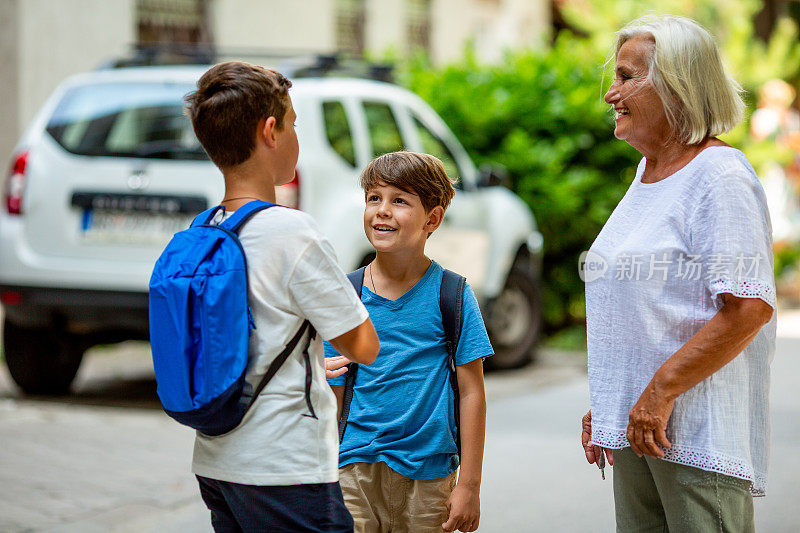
[41, 361]
[514, 321]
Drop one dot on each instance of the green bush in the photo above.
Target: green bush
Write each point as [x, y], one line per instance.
[540, 113]
[786, 259]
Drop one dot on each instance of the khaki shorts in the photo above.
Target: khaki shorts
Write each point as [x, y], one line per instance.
[383, 501]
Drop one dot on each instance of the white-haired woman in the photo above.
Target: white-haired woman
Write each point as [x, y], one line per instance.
[680, 327]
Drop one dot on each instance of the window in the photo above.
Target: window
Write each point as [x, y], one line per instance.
[126, 120]
[431, 144]
[384, 134]
[172, 21]
[350, 24]
[418, 25]
[337, 129]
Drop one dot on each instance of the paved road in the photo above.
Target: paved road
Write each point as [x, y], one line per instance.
[107, 459]
[537, 480]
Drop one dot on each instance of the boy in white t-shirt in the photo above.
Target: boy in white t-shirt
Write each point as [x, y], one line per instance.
[277, 471]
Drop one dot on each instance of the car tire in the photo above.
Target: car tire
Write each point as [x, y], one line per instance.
[41, 361]
[514, 321]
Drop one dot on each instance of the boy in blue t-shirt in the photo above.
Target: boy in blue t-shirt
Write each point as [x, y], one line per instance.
[398, 458]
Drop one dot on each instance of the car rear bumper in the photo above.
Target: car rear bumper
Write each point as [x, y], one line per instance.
[107, 316]
[23, 266]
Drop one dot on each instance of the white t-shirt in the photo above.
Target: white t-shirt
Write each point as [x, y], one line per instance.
[670, 249]
[293, 275]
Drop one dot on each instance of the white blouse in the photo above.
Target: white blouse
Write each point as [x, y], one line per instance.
[653, 279]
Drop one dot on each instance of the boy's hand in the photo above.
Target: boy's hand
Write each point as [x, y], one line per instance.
[463, 509]
[336, 366]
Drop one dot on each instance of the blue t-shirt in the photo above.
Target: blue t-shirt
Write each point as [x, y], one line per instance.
[402, 409]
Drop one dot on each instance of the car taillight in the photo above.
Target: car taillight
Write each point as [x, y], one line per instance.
[10, 297]
[16, 184]
[289, 193]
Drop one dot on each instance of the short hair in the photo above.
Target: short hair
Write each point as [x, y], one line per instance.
[700, 99]
[420, 174]
[231, 98]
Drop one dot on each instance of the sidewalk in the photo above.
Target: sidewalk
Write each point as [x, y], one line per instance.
[788, 324]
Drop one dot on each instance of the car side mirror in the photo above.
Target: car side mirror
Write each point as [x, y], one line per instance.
[493, 175]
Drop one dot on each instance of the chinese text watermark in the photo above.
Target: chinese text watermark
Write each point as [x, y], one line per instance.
[662, 267]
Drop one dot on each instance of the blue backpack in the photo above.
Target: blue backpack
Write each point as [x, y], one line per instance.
[200, 324]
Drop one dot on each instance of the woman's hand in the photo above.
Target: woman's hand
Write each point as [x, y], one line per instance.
[336, 366]
[592, 451]
[647, 423]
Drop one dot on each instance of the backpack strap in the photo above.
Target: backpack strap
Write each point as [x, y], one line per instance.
[307, 359]
[234, 225]
[278, 362]
[451, 297]
[243, 214]
[206, 216]
[237, 220]
[357, 279]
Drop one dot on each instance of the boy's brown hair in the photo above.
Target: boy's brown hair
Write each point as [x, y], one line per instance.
[420, 174]
[231, 98]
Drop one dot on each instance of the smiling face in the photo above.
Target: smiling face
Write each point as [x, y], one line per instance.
[640, 116]
[396, 221]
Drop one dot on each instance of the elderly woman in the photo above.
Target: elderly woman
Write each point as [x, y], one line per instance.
[680, 334]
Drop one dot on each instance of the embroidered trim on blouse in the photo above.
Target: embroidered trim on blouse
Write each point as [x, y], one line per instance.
[689, 456]
[609, 438]
[745, 288]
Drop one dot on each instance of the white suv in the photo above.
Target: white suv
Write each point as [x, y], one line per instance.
[110, 169]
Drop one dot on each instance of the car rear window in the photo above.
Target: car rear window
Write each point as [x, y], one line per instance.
[126, 120]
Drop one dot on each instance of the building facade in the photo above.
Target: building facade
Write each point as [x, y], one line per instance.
[44, 41]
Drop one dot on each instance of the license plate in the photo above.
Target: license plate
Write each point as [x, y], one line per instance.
[132, 227]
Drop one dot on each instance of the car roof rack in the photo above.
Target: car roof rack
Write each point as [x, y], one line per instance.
[330, 65]
[291, 63]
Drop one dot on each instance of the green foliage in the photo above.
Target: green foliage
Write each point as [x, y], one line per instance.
[751, 61]
[540, 113]
[786, 259]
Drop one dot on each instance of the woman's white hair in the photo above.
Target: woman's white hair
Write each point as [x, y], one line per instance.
[686, 70]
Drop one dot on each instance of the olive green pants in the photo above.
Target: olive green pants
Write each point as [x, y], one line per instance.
[656, 495]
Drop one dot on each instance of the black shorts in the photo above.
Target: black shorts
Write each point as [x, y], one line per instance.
[291, 508]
